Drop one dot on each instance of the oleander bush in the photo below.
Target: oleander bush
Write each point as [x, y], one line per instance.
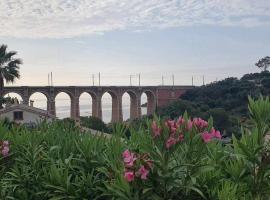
[182, 158]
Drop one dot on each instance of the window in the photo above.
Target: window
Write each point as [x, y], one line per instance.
[18, 115]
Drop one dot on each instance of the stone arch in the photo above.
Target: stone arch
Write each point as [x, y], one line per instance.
[93, 97]
[69, 93]
[37, 101]
[46, 94]
[116, 114]
[61, 109]
[151, 101]
[134, 108]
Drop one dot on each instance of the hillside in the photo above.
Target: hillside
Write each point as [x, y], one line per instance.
[225, 100]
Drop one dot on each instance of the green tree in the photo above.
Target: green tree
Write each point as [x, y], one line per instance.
[221, 119]
[94, 123]
[263, 63]
[9, 67]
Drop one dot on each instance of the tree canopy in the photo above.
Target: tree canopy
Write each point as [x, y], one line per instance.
[263, 63]
[226, 101]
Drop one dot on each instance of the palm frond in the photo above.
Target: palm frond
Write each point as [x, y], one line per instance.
[9, 66]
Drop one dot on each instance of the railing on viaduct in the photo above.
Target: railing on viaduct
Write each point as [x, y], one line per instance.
[156, 96]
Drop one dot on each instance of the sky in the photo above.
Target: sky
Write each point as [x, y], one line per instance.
[76, 39]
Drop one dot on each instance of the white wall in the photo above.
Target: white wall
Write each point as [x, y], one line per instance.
[28, 117]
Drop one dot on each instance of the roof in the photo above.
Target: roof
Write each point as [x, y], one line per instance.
[27, 108]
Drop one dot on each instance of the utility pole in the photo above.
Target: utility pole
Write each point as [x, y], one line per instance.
[139, 79]
[203, 80]
[93, 79]
[192, 80]
[98, 78]
[51, 79]
[162, 81]
[173, 79]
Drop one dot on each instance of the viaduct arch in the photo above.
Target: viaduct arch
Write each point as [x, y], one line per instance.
[157, 96]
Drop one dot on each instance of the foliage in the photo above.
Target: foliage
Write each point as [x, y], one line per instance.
[225, 100]
[94, 123]
[6, 100]
[264, 63]
[168, 159]
[139, 123]
[9, 66]
[256, 77]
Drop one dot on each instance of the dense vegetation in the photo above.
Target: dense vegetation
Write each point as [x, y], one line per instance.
[175, 159]
[94, 123]
[225, 100]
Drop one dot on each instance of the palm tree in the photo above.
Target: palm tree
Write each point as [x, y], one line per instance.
[9, 68]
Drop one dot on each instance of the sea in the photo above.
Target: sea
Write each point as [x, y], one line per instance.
[62, 104]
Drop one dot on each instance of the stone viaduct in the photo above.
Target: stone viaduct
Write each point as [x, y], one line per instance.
[156, 96]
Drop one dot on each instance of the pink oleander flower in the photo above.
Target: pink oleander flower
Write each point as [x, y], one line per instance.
[180, 137]
[156, 130]
[180, 121]
[200, 123]
[140, 169]
[143, 172]
[207, 137]
[129, 176]
[5, 148]
[173, 130]
[126, 153]
[215, 133]
[5, 143]
[129, 158]
[172, 125]
[189, 124]
[170, 142]
[218, 135]
[5, 151]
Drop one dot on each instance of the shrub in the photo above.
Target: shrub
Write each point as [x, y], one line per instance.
[182, 158]
[221, 118]
[94, 123]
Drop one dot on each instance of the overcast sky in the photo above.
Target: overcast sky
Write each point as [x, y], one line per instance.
[77, 38]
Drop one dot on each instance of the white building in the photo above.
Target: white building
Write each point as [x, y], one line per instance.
[24, 114]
